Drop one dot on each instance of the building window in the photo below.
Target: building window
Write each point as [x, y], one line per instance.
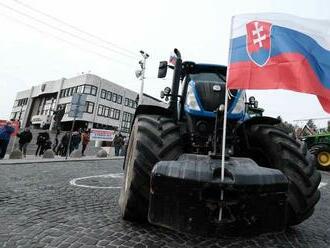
[117, 114]
[126, 122]
[13, 115]
[21, 102]
[89, 107]
[114, 97]
[108, 112]
[93, 90]
[90, 90]
[119, 99]
[80, 89]
[103, 94]
[109, 95]
[130, 103]
[100, 110]
[87, 89]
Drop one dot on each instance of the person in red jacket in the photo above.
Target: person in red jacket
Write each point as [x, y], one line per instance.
[85, 141]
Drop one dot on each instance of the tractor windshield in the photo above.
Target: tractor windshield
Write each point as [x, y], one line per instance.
[207, 77]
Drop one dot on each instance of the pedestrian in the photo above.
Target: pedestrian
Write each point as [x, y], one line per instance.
[56, 143]
[64, 145]
[42, 142]
[75, 141]
[117, 143]
[5, 133]
[85, 141]
[124, 147]
[25, 138]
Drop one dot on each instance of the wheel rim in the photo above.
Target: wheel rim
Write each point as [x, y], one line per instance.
[324, 159]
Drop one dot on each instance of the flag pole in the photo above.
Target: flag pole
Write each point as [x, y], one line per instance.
[223, 150]
[225, 122]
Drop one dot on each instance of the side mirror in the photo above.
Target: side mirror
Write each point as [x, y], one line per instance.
[162, 69]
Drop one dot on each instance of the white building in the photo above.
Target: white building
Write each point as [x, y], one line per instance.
[108, 105]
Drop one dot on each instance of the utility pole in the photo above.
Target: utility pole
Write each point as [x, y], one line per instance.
[140, 73]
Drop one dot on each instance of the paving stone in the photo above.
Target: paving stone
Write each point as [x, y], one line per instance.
[48, 154]
[16, 154]
[40, 208]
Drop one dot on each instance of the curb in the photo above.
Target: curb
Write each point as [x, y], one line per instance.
[6, 162]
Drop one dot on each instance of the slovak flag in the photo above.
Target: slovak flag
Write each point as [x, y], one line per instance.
[279, 51]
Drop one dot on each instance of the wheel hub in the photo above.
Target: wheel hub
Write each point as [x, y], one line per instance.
[324, 158]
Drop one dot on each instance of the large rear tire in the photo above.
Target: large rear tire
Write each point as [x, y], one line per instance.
[322, 156]
[153, 138]
[272, 147]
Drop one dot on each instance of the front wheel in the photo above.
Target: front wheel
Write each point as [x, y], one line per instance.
[322, 156]
[153, 138]
[271, 147]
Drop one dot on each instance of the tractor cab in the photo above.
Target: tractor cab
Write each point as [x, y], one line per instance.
[203, 89]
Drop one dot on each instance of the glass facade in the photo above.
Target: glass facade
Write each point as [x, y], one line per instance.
[108, 112]
[85, 89]
[47, 106]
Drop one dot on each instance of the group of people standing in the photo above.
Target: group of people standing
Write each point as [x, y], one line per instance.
[60, 146]
[77, 137]
[43, 141]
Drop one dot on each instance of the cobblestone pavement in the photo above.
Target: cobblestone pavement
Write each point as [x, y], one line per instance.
[42, 206]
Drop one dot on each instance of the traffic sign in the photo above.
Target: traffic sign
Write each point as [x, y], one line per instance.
[78, 105]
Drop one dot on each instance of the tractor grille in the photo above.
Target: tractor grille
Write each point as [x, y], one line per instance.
[210, 99]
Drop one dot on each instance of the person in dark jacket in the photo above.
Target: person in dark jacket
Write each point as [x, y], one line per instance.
[75, 141]
[25, 138]
[56, 143]
[118, 141]
[62, 149]
[42, 142]
[5, 133]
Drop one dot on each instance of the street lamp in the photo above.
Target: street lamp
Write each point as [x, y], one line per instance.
[140, 73]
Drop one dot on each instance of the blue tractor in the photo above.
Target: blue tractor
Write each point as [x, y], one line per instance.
[172, 169]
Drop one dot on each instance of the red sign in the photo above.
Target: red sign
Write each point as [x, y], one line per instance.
[14, 124]
[102, 134]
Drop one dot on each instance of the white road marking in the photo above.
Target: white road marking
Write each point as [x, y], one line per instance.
[322, 184]
[74, 181]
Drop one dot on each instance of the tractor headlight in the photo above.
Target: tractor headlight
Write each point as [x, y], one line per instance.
[240, 104]
[191, 101]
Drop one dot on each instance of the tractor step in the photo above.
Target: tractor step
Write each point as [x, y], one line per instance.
[185, 196]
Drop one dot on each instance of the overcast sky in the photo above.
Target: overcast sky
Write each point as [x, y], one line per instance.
[31, 52]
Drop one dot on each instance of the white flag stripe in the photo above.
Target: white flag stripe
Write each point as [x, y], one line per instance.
[319, 30]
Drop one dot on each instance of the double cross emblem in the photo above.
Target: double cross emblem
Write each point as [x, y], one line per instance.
[257, 32]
